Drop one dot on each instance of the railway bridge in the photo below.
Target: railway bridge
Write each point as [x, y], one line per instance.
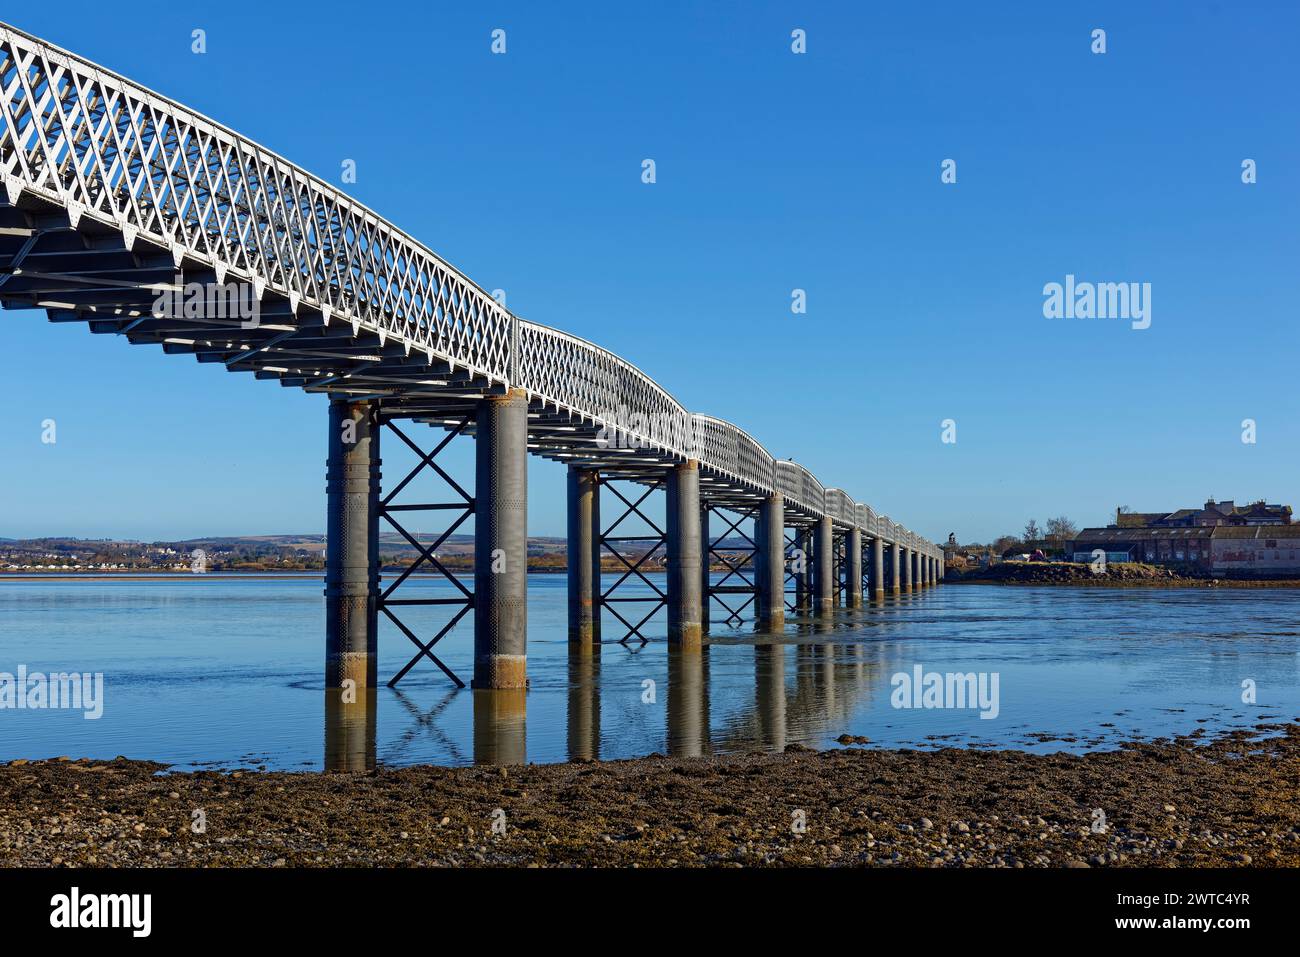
[125, 211]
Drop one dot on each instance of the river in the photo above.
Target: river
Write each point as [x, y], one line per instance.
[204, 671]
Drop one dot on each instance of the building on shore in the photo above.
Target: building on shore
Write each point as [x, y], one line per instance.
[1213, 514]
[1222, 539]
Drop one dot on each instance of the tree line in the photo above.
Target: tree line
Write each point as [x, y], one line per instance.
[1058, 532]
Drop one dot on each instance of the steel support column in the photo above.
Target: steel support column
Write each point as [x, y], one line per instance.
[769, 557]
[802, 564]
[741, 564]
[905, 567]
[824, 569]
[426, 553]
[352, 546]
[877, 569]
[895, 564]
[838, 561]
[684, 551]
[649, 544]
[853, 561]
[501, 542]
[706, 561]
[584, 556]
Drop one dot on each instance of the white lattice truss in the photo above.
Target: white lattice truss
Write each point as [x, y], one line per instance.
[112, 192]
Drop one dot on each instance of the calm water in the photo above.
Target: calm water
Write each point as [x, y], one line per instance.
[201, 671]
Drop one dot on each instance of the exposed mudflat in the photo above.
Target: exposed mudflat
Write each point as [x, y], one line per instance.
[1233, 801]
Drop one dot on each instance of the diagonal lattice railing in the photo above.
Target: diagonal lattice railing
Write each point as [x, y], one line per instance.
[108, 150]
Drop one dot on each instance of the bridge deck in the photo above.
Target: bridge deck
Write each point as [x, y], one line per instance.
[113, 196]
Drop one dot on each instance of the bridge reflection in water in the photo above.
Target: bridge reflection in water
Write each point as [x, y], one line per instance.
[802, 689]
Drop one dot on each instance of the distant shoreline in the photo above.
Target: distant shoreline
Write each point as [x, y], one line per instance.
[316, 573]
[1126, 575]
[151, 576]
[1154, 586]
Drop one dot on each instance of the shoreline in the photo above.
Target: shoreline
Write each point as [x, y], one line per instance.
[312, 573]
[1193, 801]
[1080, 582]
[160, 576]
[1212, 584]
[1127, 575]
[317, 574]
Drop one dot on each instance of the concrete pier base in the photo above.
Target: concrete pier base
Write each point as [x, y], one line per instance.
[905, 566]
[685, 612]
[824, 568]
[584, 556]
[853, 567]
[877, 570]
[769, 563]
[352, 482]
[895, 564]
[501, 543]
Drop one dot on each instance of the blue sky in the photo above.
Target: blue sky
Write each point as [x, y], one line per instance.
[775, 171]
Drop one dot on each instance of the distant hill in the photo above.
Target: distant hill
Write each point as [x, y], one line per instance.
[255, 552]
